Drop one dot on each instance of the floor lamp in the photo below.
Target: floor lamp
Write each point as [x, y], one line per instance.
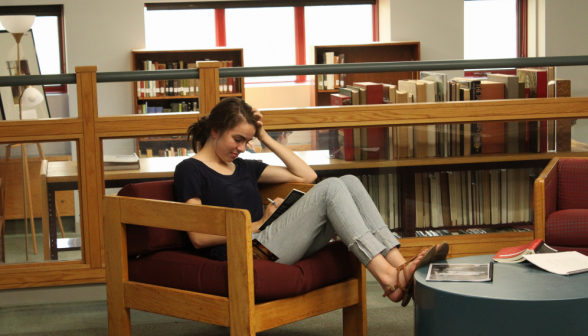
[18, 25]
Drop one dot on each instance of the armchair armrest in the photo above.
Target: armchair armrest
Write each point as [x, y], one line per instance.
[545, 196]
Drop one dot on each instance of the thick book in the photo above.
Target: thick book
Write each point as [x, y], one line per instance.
[292, 198]
[516, 254]
[376, 137]
[121, 162]
[344, 148]
[460, 272]
[562, 263]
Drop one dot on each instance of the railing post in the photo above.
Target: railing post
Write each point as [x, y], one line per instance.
[208, 93]
[90, 174]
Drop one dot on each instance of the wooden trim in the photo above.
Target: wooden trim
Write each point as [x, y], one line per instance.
[35, 267]
[29, 131]
[424, 113]
[45, 278]
[172, 215]
[117, 272]
[178, 303]
[465, 245]
[541, 183]
[89, 152]
[240, 272]
[276, 313]
[209, 86]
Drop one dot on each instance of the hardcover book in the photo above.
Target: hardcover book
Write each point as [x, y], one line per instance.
[517, 254]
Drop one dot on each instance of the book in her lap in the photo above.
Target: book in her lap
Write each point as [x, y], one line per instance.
[292, 198]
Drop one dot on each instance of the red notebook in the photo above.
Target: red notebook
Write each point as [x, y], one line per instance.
[516, 254]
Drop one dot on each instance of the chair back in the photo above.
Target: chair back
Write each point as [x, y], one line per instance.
[142, 240]
[572, 186]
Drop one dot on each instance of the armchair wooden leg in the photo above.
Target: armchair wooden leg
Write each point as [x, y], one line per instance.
[355, 317]
[119, 317]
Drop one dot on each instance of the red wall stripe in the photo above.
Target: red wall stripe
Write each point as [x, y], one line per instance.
[300, 37]
[376, 20]
[220, 28]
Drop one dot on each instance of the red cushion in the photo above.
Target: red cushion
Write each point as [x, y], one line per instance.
[567, 228]
[143, 240]
[573, 184]
[187, 271]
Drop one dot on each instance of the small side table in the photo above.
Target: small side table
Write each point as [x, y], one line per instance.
[522, 299]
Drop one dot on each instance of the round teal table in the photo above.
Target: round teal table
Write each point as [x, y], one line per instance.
[522, 299]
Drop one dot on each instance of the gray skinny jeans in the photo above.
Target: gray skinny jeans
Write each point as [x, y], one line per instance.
[335, 205]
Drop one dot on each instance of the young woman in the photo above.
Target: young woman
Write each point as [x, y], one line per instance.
[216, 176]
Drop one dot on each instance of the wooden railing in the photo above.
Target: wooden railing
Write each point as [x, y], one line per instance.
[89, 130]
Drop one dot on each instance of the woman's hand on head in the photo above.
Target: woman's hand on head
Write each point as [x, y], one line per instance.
[261, 133]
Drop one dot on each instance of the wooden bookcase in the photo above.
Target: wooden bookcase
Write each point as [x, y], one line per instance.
[364, 53]
[139, 57]
[406, 169]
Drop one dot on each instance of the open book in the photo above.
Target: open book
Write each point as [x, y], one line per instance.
[517, 254]
[292, 198]
[563, 263]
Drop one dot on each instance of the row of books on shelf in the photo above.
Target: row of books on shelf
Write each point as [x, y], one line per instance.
[384, 190]
[181, 87]
[444, 232]
[167, 152]
[458, 139]
[184, 106]
[481, 197]
[331, 81]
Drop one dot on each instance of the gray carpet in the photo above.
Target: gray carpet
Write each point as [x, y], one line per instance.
[90, 319]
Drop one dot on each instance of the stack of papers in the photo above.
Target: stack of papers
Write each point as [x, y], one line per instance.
[563, 263]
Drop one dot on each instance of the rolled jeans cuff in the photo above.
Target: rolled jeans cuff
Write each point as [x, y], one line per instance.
[366, 247]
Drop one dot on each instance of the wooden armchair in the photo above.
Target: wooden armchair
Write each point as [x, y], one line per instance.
[561, 204]
[239, 309]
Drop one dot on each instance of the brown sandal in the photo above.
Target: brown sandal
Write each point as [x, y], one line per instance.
[409, 289]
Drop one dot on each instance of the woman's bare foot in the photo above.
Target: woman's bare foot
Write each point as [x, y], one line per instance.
[401, 275]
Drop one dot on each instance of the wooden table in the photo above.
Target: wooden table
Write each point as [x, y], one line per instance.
[63, 175]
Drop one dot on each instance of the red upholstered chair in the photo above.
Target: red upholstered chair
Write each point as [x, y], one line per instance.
[151, 266]
[561, 204]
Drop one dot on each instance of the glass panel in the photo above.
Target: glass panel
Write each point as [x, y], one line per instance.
[54, 232]
[484, 37]
[180, 29]
[46, 35]
[266, 36]
[33, 99]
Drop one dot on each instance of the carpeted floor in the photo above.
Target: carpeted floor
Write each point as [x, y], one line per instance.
[90, 319]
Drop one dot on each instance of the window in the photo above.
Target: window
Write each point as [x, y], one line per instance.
[490, 29]
[179, 29]
[48, 36]
[266, 36]
[266, 32]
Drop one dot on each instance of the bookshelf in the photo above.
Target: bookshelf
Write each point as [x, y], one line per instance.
[160, 96]
[364, 53]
